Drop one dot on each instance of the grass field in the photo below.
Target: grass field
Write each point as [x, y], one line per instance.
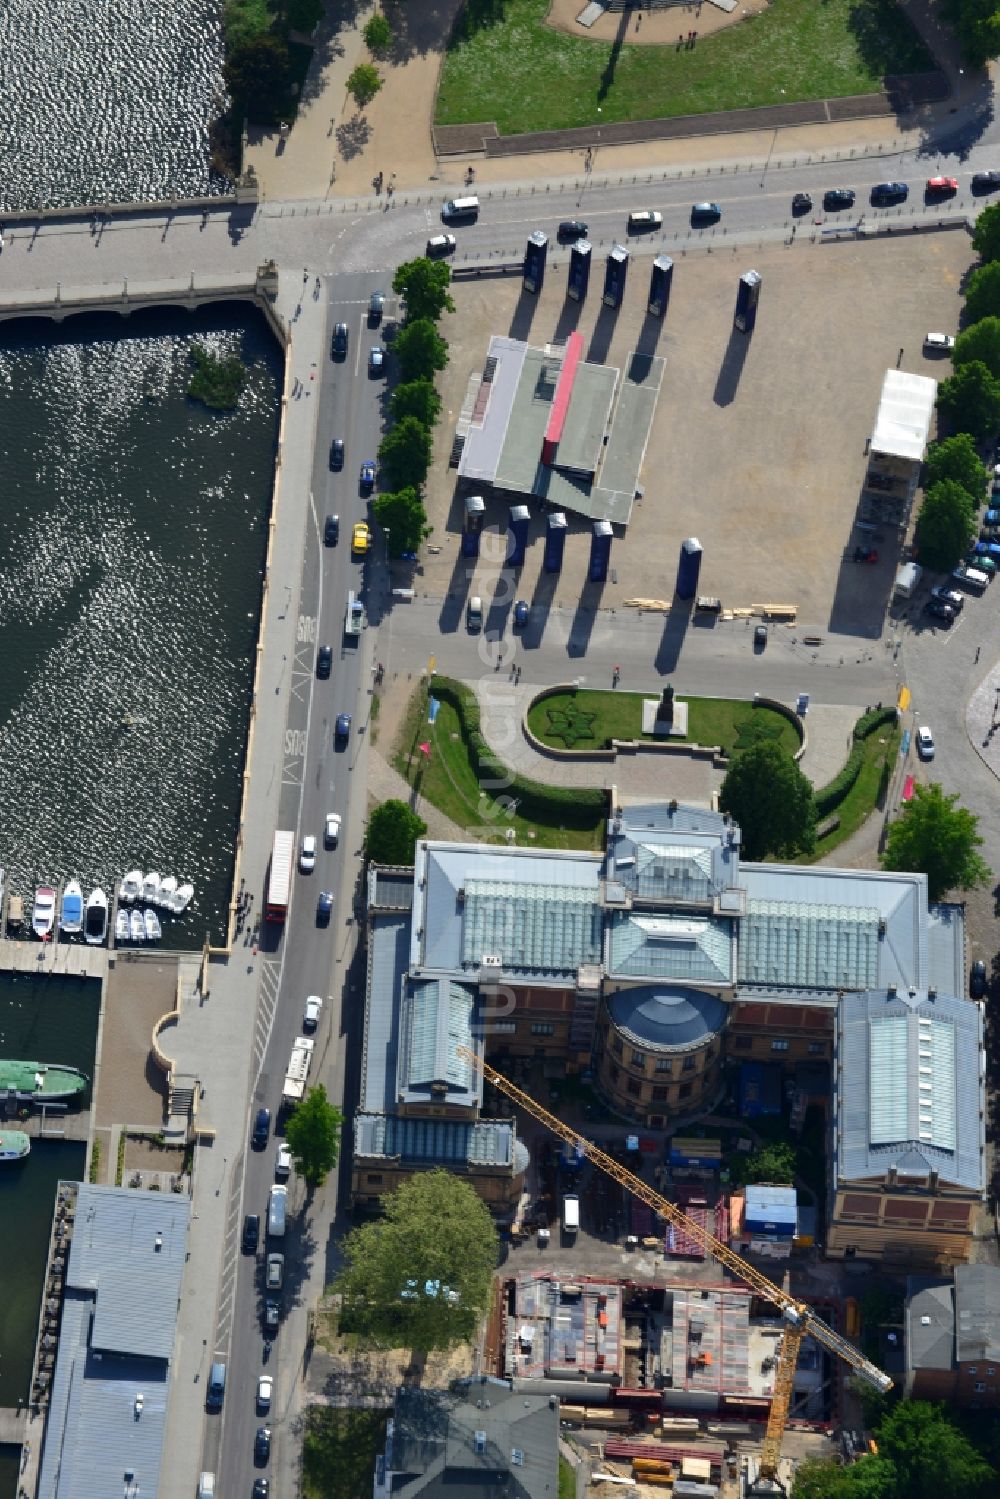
[506, 65]
[558, 720]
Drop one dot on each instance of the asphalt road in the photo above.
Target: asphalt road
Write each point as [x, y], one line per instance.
[317, 778]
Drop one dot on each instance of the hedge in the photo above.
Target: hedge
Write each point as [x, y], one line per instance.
[566, 806]
[833, 793]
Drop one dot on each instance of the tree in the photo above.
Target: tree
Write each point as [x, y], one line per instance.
[956, 458]
[423, 284]
[773, 1162]
[938, 838]
[970, 400]
[304, 15]
[377, 34]
[420, 1277]
[258, 74]
[986, 235]
[770, 798]
[945, 525]
[420, 350]
[403, 517]
[405, 454]
[977, 26]
[980, 343]
[929, 1455]
[417, 398]
[313, 1136]
[982, 295]
[393, 829]
[364, 83]
[822, 1478]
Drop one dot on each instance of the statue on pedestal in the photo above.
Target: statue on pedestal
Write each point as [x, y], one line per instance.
[665, 712]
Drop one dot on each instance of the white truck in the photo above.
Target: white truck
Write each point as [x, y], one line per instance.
[297, 1071]
[571, 1215]
[354, 616]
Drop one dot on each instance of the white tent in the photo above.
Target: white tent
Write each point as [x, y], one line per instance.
[905, 412]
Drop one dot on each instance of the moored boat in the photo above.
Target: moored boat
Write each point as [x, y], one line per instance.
[43, 913]
[95, 925]
[71, 908]
[166, 892]
[40, 1082]
[152, 923]
[182, 899]
[131, 886]
[14, 1145]
[150, 887]
[121, 925]
[137, 927]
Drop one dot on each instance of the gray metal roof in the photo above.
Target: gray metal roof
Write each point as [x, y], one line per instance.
[474, 1441]
[388, 951]
[680, 857]
[946, 949]
[910, 1087]
[667, 1019]
[536, 929]
[900, 899]
[977, 1313]
[441, 1142]
[656, 944]
[809, 946]
[94, 1432]
[930, 1323]
[389, 889]
[437, 1019]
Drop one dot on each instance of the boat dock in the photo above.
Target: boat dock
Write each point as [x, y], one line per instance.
[74, 959]
[23, 1427]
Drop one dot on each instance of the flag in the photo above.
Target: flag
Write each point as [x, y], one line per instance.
[424, 749]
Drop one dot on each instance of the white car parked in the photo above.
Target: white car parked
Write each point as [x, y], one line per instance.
[925, 743]
[283, 1162]
[265, 1389]
[307, 854]
[313, 1010]
[331, 831]
[938, 343]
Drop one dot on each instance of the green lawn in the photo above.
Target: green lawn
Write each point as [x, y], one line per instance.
[505, 65]
[449, 782]
[339, 1451]
[583, 720]
[567, 1479]
[880, 751]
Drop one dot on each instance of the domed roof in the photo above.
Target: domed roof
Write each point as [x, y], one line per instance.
[667, 1017]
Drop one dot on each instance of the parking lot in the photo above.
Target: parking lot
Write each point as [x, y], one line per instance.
[758, 445]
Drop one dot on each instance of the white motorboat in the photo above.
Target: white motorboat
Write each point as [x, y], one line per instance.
[150, 888]
[131, 886]
[43, 912]
[14, 1145]
[152, 924]
[71, 909]
[182, 899]
[137, 927]
[166, 892]
[121, 925]
[95, 924]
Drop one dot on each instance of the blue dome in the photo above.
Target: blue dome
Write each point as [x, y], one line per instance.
[667, 1018]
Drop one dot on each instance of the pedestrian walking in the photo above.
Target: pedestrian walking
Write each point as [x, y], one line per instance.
[305, 274]
[680, 43]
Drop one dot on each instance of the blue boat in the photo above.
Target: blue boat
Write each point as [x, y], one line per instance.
[71, 909]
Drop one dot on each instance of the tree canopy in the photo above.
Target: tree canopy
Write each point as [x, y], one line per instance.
[304, 15]
[423, 284]
[956, 458]
[979, 343]
[258, 74]
[937, 837]
[393, 829]
[921, 1455]
[420, 350]
[416, 398]
[770, 798]
[313, 1136]
[403, 518]
[982, 293]
[977, 26]
[970, 400]
[405, 453]
[773, 1161]
[364, 83]
[945, 525]
[377, 34]
[420, 1277]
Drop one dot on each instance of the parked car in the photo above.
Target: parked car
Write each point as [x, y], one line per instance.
[331, 530]
[275, 1274]
[261, 1488]
[272, 1316]
[307, 854]
[705, 213]
[324, 661]
[338, 345]
[366, 479]
[977, 980]
[571, 230]
[801, 203]
[925, 743]
[760, 637]
[331, 829]
[836, 198]
[522, 613]
[262, 1445]
[980, 564]
[989, 549]
[342, 732]
[261, 1129]
[992, 518]
[376, 361]
[361, 538]
[324, 907]
[265, 1390]
[283, 1162]
[642, 219]
[251, 1233]
[938, 609]
[938, 343]
[889, 192]
[441, 244]
[376, 307]
[985, 182]
[949, 596]
[941, 187]
[313, 1010]
[337, 453]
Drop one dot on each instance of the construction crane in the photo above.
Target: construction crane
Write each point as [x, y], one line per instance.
[799, 1319]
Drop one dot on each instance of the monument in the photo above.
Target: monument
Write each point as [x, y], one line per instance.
[666, 717]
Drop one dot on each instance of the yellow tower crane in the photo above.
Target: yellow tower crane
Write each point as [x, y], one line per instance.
[799, 1319]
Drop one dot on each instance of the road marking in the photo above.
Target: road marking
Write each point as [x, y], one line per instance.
[950, 634]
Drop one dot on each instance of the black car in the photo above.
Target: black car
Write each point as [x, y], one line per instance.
[889, 192]
[262, 1445]
[801, 203]
[324, 661]
[261, 1488]
[342, 731]
[760, 637]
[570, 230]
[339, 346]
[331, 530]
[838, 197]
[376, 307]
[272, 1317]
[251, 1233]
[938, 609]
[261, 1129]
[977, 980]
[986, 182]
[337, 453]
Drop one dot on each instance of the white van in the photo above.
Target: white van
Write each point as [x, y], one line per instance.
[571, 1214]
[276, 1206]
[206, 1486]
[460, 210]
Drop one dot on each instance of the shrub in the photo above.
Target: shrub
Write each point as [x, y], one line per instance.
[833, 793]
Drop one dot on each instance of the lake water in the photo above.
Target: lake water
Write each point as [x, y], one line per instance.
[108, 102]
[131, 557]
